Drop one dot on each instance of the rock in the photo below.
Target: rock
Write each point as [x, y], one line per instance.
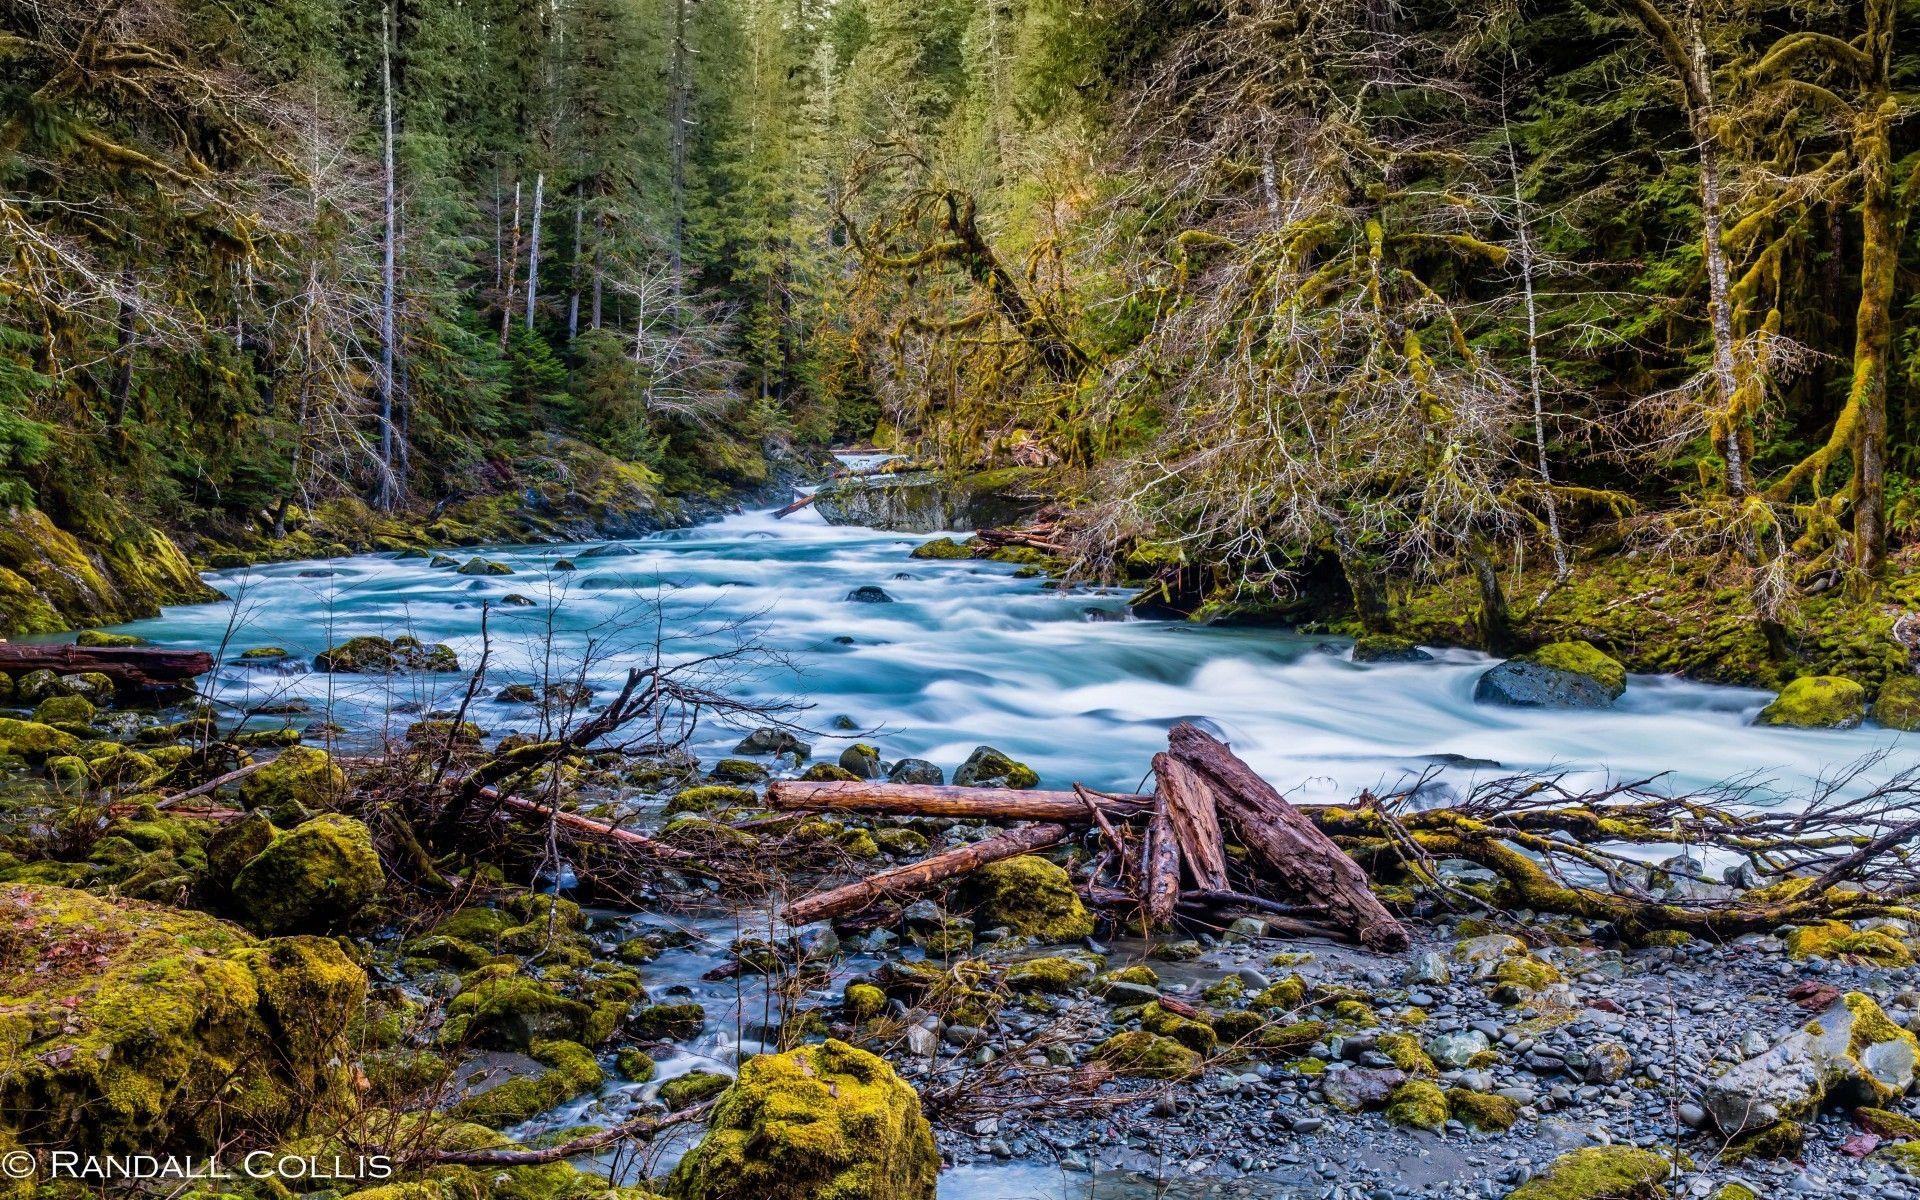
[869, 594]
[178, 1030]
[916, 770]
[1482, 1112]
[69, 710]
[1455, 1050]
[98, 638]
[1147, 1056]
[863, 1001]
[316, 877]
[1380, 647]
[1558, 675]
[1608, 1062]
[667, 1022]
[1418, 1104]
[1598, 1173]
[1358, 1088]
[941, 547]
[482, 566]
[821, 1121]
[35, 686]
[1031, 897]
[33, 740]
[1898, 704]
[926, 502]
[516, 693]
[516, 600]
[987, 767]
[1121, 994]
[1428, 966]
[1817, 702]
[95, 686]
[302, 779]
[1839, 940]
[771, 741]
[1053, 974]
[504, 1010]
[861, 761]
[571, 1071]
[685, 1091]
[378, 656]
[1848, 1053]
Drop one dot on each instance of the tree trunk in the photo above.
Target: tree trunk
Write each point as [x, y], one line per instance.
[934, 800]
[1292, 851]
[1881, 232]
[389, 492]
[573, 299]
[533, 248]
[918, 877]
[513, 269]
[1159, 870]
[136, 667]
[1189, 806]
[677, 132]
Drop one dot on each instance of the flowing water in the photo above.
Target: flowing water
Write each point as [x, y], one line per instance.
[965, 653]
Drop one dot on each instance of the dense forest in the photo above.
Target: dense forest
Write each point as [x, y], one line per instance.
[1278, 300]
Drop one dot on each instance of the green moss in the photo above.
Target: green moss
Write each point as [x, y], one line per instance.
[1522, 975]
[1598, 1173]
[858, 843]
[1482, 1112]
[739, 770]
[483, 566]
[1197, 1036]
[900, 842]
[1281, 995]
[511, 1011]
[685, 1091]
[1886, 1123]
[1139, 973]
[1404, 1051]
[1418, 1104]
[129, 1026]
[1782, 1139]
[709, 797]
[823, 1122]
[1148, 1055]
[301, 778]
[822, 772]
[317, 876]
[636, 1064]
[1817, 702]
[1583, 658]
[1291, 1040]
[572, 1071]
[942, 547]
[65, 710]
[1237, 1025]
[1354, 1013]
[1837, 939]
[33, 740]
[1898, 704]
[1032, 897]
[864, 1002]
[698, 831]
[987, 767]
[667, 1022]
[97, 638]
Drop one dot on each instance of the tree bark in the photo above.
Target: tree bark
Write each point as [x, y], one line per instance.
[934, 800]
[918, 877]
[1293, 852]
[389, 491]
[533, 248]
[1159, 871]
[1189, 806]
[513, 269]
[137, 667]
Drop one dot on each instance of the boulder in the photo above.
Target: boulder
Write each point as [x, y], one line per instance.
[774, 741]
[1147, 1055]
[315, 877]
[1898, 704]
[916, 770]
[1357, 1088]
[1031, 897]
[134, 1027]
[378, 656]
[1557, 675]
[987, 767]
[861, 761]
[1599, 1173]
[483, 566]
[942, 547]
[302, 778]
[869, 594]
[821, 1121]
[1380, 647]
[1817, 702]
[33, 740]
[1849, 1053]
[925, 502]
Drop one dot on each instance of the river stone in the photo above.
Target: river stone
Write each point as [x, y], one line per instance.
[916, 770]
[1608, 1062]
[1121, 994]
[1849, 1053]
[774, 741]
[1456, 1050]
[1428, 966]
[1382, 647]
[1522, 683]
[870, 594]
[1359, 1088]
[1817, 702]
[988, 767]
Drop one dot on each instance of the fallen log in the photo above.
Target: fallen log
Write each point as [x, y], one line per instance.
[1191, 811]
[935, 800]
[1287, 845]
[134, 668]
[1159, 871]
[918, 877]
[796, 506]
[586, 825]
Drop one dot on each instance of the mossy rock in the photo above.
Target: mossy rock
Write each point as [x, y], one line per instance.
[572, 1071]
[302, 778]
[1817, 702]
[708, 797]
[316, 877]
[1837, 939]
[1521, 975]
[33, 740]
[1887, 1123]
[685, 1091]
[905, 843]
[1381, 647]
[739, 770]
[822, 772]
[1898, 704]
[371, 655]
[1482, 1112]
[823, 1122]
[863, 1002]
[131, 1026]
[66, 710]
[666, 1022]
[1148, 1056]
[1054, 974]
[636, 1064]
[987, 767]
[99, 639]
[1781, 1140]
[1557, 675]
[1405, 1052]
[1030, 896]
[1291, 1040]
[511, 1011]
[483, 566]
[1418, 1104]
[942, 548]
[1599, 1173]
[1197, 1036]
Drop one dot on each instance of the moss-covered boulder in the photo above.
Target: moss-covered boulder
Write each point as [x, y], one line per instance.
[371, 655]
[1898, 704]
[301, 779]
[72, 712]
[132, 1027]
[571, 1070]
[315, 877]
[1031, 897]
[1418, 1104]
[1482, 1112]
[1837, 939]
[483, 566]
[824, 1122]
[861, 761]
[1385, 648]
[1148, 1056]
[100, 639]
[942, 547]
[506, 1010]
[1848, 1053]
[1557, 675]
[1051, 974]
[33, 740]
[1599, 1173]
[685, 1091]
[1817, 702]
[987, 767]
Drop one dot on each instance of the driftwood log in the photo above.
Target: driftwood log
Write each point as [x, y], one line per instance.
[132, 668]
[961, 803]
[787, 510]
[918, 877]
[1159, 871]
[1195, 821]
[1290, 848]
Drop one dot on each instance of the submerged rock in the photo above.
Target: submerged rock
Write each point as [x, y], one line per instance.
[1558, 675]
[371, 655]
[1817, 702]
[942, 547]
[1380, 647]
[1849, 1053]
[822, 1121]
[132, 1027]
[869, 593]
[770, 740]
[861, 761]
[916, 770]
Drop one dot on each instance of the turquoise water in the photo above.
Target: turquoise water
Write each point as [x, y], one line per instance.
[966, 654]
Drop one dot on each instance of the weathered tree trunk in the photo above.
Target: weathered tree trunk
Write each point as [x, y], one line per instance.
[138, 667]
[1159, 871]
[1189, 806]
[918, 877]
[934, 800]
[533, 248]
[580, 824]
[513, 270]
[1292, 851]
[677, 132]
[389, 492]
[573, 298]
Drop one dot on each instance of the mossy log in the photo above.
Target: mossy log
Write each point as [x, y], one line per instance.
[918, 877]
[937, 800]
[135, 668]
